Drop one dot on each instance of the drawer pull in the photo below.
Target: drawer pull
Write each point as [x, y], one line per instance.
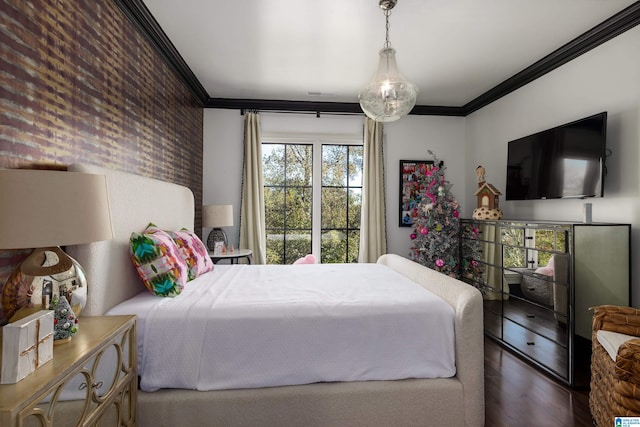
[94, 385]
[531, 343]
[531, 316]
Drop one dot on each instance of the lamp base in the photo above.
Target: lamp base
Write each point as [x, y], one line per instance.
[44, 275]
[216, 235]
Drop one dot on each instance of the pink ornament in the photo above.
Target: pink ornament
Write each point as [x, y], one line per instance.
[413, 236]
[456, 214]
[439, 262]
[424, 230]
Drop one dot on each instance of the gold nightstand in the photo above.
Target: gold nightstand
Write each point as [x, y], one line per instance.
[98, 365]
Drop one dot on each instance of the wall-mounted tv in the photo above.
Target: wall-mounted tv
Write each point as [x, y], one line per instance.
[567, 161]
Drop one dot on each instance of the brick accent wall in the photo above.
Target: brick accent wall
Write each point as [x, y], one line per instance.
[79, 83]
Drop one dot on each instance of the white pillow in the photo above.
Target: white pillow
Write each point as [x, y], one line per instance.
[611, 341]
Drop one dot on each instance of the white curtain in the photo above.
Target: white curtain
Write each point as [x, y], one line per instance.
[252, 222]
[373, 236]
[492, 251]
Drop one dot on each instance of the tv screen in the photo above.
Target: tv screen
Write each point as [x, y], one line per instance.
[564, 162]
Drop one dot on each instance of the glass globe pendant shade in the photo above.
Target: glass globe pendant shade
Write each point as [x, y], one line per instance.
[389, 95]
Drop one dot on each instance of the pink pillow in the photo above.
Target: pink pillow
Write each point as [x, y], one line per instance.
[548, 270]
[193, 251]
[308, 259]
[158, 262]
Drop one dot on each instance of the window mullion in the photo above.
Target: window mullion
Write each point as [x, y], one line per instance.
[316, 219]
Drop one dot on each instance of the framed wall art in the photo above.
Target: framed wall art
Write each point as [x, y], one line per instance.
[413, 174]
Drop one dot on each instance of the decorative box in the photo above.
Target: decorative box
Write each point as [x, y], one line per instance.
[26, 345]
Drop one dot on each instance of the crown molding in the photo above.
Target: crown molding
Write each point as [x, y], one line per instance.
[601, 33]
[147, 25]
[141, 17]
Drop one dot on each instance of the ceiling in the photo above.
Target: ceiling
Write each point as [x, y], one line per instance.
[327, 50]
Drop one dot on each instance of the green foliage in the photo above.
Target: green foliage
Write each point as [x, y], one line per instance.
[544, 242]
[288, 198]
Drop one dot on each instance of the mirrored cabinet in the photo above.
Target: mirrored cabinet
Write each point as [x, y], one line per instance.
[538, 280]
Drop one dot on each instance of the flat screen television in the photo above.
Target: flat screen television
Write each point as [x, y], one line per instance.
[566, 161]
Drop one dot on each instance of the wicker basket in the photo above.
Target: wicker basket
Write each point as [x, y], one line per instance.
[615, 386]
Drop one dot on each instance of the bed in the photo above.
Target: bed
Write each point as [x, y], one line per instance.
[457, 400]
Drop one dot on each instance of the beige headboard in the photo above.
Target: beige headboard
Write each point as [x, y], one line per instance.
[135, 201]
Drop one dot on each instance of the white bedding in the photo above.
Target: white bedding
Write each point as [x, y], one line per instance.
[250, 326]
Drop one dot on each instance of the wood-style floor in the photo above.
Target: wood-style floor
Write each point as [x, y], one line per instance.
[516, 394]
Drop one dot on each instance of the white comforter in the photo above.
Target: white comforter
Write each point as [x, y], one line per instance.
[247, 326]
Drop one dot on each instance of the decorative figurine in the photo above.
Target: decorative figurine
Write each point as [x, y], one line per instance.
[488, 198]
[65, 322]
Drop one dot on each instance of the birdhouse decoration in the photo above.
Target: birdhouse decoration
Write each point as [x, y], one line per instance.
[488, 198]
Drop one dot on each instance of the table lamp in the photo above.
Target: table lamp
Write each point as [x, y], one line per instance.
[217, 216]
[46, 209]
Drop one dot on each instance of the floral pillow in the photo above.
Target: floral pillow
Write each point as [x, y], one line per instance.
[158, 261]
[193, 252]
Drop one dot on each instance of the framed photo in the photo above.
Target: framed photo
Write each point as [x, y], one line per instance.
[413, 174]
[218, 248]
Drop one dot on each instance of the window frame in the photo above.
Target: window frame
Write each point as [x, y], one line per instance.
[317, 141]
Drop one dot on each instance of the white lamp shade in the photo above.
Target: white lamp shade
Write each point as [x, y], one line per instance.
[217, 216]
[43, 208]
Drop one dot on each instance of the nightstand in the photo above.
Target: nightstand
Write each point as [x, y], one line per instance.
[232, 256]
[98, 366]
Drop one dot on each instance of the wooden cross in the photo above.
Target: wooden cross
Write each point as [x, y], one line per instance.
[36, 345]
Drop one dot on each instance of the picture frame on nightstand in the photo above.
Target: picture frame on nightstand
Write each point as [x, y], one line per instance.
[218, 248]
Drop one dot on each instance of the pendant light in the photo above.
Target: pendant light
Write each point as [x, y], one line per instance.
[389, 95]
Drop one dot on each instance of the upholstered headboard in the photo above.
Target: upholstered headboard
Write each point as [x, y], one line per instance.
[135, 201]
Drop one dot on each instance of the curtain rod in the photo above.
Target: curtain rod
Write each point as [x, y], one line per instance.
[317, 113]
[283, 106]
[317, 108]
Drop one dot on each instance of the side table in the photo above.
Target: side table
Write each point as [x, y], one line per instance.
[107, 400]
[232, 256]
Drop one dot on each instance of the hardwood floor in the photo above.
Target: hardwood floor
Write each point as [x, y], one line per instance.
[516, 394]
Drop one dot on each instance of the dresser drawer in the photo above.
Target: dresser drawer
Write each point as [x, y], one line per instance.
[543, 351]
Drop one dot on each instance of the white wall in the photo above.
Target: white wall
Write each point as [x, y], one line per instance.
[410, 138]
[604, 79]
[407, 139]
[222, 164]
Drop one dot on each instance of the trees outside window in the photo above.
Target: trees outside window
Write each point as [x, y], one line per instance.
[312, 196]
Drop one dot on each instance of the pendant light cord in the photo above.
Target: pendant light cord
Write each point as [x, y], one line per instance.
[387, 43]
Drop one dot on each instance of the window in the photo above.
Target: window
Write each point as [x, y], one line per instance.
[530, 247]
[312, 196]
[341, 202]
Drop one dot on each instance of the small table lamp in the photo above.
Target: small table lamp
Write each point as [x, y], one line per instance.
[217, 216]
[46, 209]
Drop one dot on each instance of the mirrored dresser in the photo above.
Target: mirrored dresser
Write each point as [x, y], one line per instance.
[538, 280]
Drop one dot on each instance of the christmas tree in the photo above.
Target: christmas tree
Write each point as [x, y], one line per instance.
[472, 270]
[437, 227]
[65, 322]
